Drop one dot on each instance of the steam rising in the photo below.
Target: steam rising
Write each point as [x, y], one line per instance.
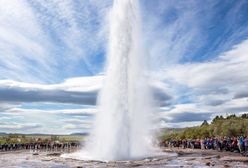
[121, 129]
[122, 125]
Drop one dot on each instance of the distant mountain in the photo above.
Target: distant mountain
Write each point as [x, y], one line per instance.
[80, 133]
[40, 134]
[37, 134]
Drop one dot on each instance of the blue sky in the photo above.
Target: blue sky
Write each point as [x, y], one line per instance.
[52, 56]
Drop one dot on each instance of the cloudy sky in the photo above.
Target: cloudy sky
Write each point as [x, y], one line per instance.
[52, 56]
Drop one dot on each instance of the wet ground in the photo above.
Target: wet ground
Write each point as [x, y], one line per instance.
[171, 158]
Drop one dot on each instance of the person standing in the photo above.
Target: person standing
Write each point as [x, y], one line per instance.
[246, 144]
[240, 144]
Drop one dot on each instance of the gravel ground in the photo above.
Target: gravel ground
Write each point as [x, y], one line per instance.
[170, 158]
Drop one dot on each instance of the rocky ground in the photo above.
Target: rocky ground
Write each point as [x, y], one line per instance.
[170, 158]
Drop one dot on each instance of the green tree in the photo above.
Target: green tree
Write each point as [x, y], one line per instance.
[205, 123]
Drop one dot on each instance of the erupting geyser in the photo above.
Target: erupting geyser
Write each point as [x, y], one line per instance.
[121, 129]
[122, 126]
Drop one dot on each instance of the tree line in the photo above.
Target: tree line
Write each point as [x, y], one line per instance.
[229, 126]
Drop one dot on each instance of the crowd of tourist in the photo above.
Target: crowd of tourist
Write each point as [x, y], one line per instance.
[233, 144]
[40, 146]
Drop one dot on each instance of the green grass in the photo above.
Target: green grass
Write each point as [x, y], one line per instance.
[15, 138]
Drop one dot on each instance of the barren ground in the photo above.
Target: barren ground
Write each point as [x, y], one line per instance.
[172, 158]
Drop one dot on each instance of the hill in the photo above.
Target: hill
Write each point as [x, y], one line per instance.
[220, 126]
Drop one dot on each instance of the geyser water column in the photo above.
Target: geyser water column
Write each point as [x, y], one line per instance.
[121, 129]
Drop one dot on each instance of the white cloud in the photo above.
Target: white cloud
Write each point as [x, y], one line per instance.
[86, 112]
[80, 84]
[212, 87]
[5, 118]
[80, 90]
[22, 41]
[170, 31]
[227, 71]
[13, 126]
[73, 91]
[48, 41]
[39, 40]
[67, 121]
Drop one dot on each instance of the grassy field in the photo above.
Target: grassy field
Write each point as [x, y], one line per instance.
[17, 138]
